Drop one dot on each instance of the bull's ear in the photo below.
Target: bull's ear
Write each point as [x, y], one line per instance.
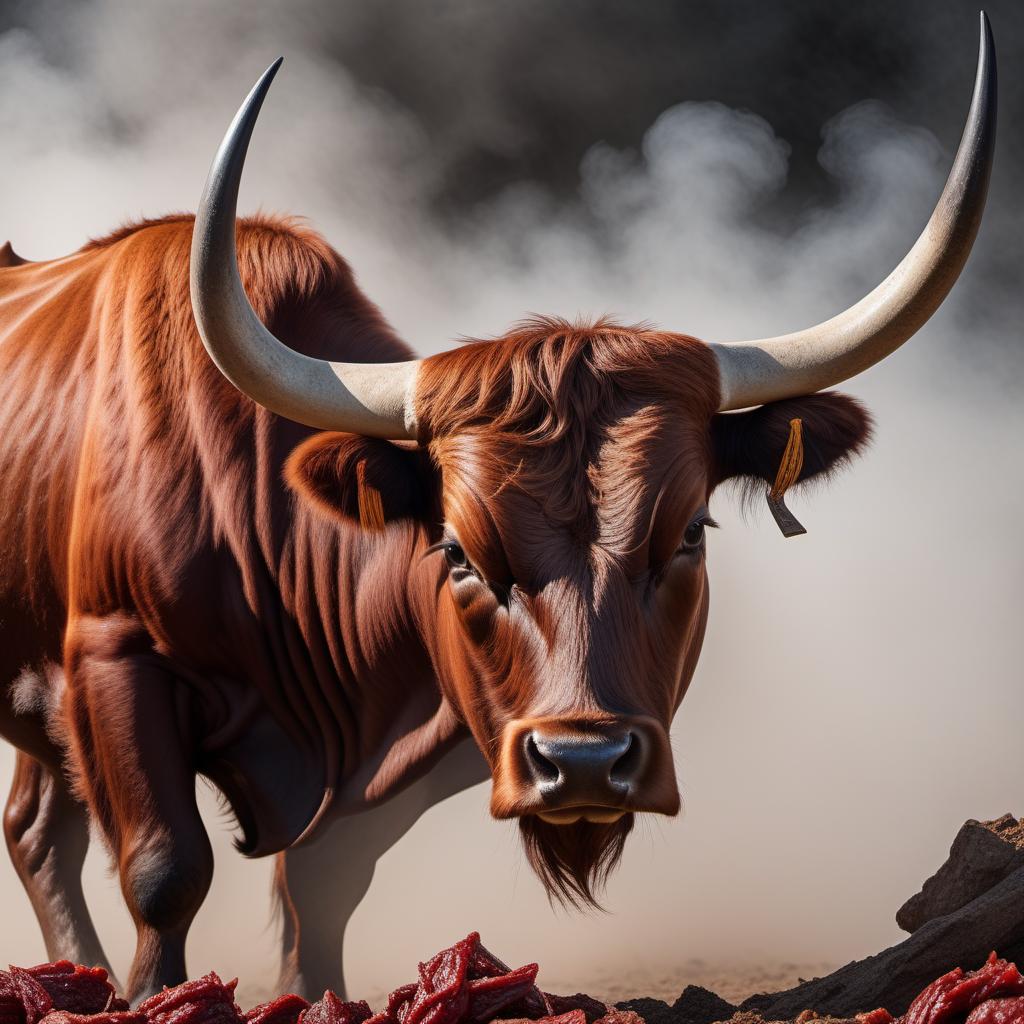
[364, 479]
[750, 445]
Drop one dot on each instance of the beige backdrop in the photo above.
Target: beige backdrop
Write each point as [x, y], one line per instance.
[858, 695]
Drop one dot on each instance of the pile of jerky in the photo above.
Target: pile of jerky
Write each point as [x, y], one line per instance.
[464, 984]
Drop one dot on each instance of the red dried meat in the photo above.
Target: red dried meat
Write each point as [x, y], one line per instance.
[572, 1017]
[103, 1017]
[592, 1009]
[77, 989]
[442, 996]
[956, 993]
[482, 962]
[489, 995]
[333, 1010]
[532, 1004]
[12, 1010]
[286, 1009]
[879, 1016]
[398, 1003]
[399, 1000]
[998, 1011]
[22, 999]
[207, 1000]
[614, 1016]
[463, 984]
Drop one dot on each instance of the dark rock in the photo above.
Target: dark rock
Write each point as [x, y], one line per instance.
[982, 855]
[964, 938]
[972, 905]
[701, 1006]
[695, 1006]
[759, 1001]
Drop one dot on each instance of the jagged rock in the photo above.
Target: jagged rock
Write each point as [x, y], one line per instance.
[982, 855]
[965, 937]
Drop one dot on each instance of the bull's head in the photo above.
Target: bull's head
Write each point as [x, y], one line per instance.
[563, 474]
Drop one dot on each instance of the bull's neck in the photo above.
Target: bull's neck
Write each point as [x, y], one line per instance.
[356, 625]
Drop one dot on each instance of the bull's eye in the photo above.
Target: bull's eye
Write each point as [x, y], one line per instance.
[455, 556]
[694, 536]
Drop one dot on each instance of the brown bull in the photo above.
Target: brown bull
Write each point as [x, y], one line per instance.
[506, 543]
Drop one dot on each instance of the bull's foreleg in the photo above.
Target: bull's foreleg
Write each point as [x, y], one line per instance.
[47, 833]
[319, 885]
[129, 725]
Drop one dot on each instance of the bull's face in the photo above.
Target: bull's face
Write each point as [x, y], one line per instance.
[561, 490]
[561, 501]
[574, 502]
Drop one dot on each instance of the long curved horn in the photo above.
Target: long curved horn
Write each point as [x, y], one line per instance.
[364, 398]
[754, 372]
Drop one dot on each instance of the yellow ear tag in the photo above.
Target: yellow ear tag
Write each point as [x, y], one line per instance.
[788, 474]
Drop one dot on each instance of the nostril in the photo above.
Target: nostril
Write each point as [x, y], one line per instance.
[543, 769]
[627, 767]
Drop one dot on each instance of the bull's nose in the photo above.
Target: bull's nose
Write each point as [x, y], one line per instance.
[582, 767]
[567, 767]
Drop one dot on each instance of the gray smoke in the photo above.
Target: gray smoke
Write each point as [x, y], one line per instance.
[741, 169]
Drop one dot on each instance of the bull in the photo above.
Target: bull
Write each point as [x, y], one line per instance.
[248, 537]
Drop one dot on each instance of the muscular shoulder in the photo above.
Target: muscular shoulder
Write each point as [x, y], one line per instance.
[299, 285]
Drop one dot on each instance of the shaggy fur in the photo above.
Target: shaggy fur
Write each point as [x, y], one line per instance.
[572, 458]
[574, 861]
[748, 445]
[191, 585]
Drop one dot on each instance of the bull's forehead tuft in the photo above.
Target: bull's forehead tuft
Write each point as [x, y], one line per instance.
[549, 379]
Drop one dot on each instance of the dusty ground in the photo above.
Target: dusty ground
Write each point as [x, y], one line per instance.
[733, 982]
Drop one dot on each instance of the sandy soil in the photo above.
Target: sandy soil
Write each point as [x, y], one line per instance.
[733, 982]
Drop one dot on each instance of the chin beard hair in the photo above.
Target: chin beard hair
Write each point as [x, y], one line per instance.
[574, 861]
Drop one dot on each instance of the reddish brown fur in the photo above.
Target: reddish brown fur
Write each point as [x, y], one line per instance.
[201, 616]
[170, 606]
[572, 458]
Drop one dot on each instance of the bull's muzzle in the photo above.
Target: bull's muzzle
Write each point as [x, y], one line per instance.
[570, 769]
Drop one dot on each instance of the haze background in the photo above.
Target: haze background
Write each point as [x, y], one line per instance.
[732, 169]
